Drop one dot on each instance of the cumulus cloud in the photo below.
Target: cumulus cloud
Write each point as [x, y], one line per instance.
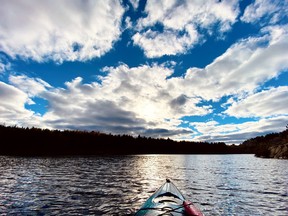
[241, 69]
[166, 43]
[262, 104]
[152, 95]
[133, 101]
[63, 30]
[271, 11]
[31, 86]
[12, 107]
[11, 97]
[237, 133]
[181, 21]
[146, 100]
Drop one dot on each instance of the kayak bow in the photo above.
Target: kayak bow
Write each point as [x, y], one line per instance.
[168, 200]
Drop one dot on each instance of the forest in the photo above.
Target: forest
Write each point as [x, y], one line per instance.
[43, 142]
[272, 145]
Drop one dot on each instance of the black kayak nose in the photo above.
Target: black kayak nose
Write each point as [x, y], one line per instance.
[168, 180]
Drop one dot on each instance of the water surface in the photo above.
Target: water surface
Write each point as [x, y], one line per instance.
[119, 185]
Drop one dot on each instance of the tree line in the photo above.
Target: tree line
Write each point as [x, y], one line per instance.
[43, 142]
[261, 145]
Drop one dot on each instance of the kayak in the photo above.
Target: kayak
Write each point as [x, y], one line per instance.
[168, 200]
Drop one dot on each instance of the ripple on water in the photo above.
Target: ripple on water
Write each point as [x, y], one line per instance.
[218, 184]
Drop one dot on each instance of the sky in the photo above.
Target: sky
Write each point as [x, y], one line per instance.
[213, 70]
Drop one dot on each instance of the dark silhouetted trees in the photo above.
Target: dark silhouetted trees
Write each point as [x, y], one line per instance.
[44, 142]
[262, 146]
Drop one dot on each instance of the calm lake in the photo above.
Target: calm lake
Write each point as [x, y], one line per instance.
[119, 185]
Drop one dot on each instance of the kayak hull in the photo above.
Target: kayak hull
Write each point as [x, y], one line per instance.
[167, 200]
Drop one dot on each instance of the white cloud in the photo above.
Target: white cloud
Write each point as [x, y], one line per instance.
[244, 67]
[12, 107]
[134, 101]
[125, 103]
[266, 103]
[180, 19]
[135, 3]
[31, 86]
[2, 67]
[166, 43]
[4, 64]
[128, 23]
[273, 11]
[150, 94]
[144, 100]
[59, 30]
[176, 15]
[237, 133]
[11, 97]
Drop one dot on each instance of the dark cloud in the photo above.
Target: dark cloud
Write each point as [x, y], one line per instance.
[127, 86]
[179, 101]
[106, 116]
[162, 132]
[101, 113]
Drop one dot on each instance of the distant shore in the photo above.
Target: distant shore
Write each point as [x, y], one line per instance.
[273, 145]
[39, 142]
[44, 142]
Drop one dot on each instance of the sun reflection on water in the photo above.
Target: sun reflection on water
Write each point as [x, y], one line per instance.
[119, 185]
[153, 170]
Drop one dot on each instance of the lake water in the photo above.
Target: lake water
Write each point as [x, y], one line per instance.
[119, 185]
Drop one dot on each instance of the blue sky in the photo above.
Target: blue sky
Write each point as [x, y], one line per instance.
[187, 70]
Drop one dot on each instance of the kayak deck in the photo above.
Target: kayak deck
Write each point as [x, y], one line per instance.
[167, 200]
